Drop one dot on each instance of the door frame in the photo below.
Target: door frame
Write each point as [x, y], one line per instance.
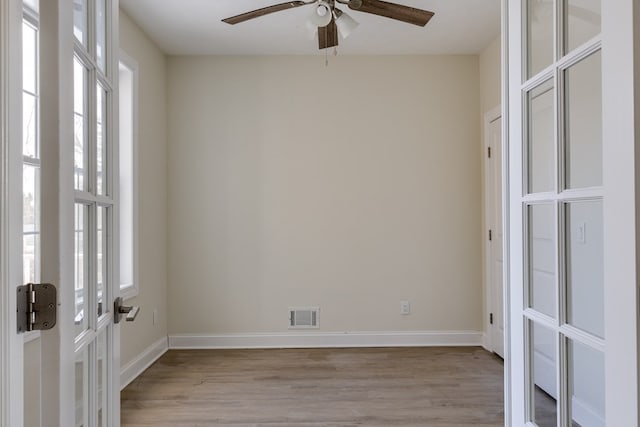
[11, 344]
[490, 296]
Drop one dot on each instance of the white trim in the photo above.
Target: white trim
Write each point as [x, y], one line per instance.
[486, 342]
[489, 296]
[326, 339]
[11, 344]
[621, 162]
[141, 362]
[506, 217]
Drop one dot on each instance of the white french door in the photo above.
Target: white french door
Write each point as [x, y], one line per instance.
[572, 282]
[76, 152]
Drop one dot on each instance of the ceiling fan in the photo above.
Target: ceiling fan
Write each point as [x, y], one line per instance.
[330, 20]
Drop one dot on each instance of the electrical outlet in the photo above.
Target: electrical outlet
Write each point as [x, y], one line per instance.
[155, 316]
[405, 307]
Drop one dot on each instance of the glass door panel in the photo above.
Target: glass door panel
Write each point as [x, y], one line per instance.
[102, 261]
[583, 123]
[582, 22]
[102, 380]
[101, 140]
[81, 131]
[542, 258]
[101, 34]
[539, 35]
[585, 266]
[82, 388]
[81, 268]
[541, 140]
[80, 21]
[586, 385]
[542, 386]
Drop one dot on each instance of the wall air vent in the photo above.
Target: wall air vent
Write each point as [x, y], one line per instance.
[304, 317]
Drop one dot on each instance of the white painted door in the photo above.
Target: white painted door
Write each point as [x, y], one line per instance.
[572, 268]
[72, 115]
[493, 191]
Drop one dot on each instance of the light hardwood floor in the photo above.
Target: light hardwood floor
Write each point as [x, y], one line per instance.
[432, 386]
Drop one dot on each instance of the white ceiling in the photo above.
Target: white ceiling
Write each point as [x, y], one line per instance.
[193, 27]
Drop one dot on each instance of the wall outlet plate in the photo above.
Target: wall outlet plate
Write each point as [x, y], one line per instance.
[405, 307]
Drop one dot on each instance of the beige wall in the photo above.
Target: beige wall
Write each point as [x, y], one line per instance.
[490, 76]
[152, 200]
[350, 187]
[490, 97]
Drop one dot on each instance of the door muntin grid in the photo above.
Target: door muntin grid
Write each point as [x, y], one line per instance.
[562, 170]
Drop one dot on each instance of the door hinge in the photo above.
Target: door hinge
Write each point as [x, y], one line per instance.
[489, 152]
[490, 235]
[491, 318]
[36, 307]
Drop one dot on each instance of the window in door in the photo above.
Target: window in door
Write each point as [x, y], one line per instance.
[562, 200]
[94, 197]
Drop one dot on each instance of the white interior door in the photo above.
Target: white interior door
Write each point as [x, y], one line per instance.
[493, 209]
[62, 162]
[572, 283]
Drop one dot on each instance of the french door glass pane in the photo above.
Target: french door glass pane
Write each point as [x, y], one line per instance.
[543, 346]
[80, 128]
[542, 258]
[102, 258]
[29, 124]
[30, 193]
[101, 149]
[586, 385]
[82, 388]
[540, 141]
[31, 258]
[29, 58]
[539, 35]
[80, 20]
[32, 4]
[585, 266]
[582, 22]
[81, 267]
[583, 106]
[101, 34]
[102, 368]
[31, 223]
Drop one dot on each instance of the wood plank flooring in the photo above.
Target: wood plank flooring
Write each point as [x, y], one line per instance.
[432, 386]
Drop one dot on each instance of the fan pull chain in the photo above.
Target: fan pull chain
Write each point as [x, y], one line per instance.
[326, 58]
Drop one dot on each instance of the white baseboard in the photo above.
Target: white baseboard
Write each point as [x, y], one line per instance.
[485, 342]
[141, 362]
[326, 339]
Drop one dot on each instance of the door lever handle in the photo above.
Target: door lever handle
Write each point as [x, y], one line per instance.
[119, 309]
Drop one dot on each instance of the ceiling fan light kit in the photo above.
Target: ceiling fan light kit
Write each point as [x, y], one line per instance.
[321, 15]
[330, 21]
[345, 23]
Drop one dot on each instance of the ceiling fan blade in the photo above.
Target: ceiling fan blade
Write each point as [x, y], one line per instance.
[264, 11]
[328, 36]
[407, 14]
